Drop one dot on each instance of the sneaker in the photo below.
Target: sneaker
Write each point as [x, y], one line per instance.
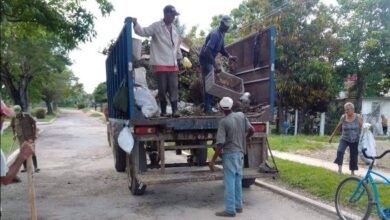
[37, 170]
[23, 171]
[239, 210]
[225, 214]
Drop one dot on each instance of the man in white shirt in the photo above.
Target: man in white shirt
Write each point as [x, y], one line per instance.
[164, 52]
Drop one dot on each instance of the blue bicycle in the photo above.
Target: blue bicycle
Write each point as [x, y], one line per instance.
[354, 196]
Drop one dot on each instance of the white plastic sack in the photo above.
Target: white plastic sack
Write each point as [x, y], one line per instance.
[126, 140]
[144, 99]
[367, 141]
[140, 77]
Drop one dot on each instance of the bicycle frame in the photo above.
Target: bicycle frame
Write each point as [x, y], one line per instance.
[374, 187]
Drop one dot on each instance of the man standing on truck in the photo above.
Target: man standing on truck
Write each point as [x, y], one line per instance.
[164, 53]
[213, 45]
[233, 130]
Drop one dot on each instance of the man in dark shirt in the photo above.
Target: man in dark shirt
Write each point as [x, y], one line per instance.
[233, 130]
[213, 45]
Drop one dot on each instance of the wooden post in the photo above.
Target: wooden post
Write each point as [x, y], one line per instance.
[31, 189]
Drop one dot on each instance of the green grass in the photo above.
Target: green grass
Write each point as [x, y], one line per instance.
[289, 143]
[7, 140]
[47, 118]
[319, 182]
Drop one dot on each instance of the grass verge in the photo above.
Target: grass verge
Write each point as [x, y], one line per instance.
[7, 141]
[287, 143]
[319, 182]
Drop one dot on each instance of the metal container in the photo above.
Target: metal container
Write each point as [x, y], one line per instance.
[224, 84]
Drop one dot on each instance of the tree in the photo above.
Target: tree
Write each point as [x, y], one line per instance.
[35, 31]
[364, 29]
[100, 93]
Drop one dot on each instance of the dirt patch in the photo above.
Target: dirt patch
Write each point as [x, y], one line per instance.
[328, 153]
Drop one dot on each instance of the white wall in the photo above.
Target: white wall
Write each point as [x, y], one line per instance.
[385, 107]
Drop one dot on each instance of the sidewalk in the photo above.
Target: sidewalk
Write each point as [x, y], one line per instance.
[324, 164]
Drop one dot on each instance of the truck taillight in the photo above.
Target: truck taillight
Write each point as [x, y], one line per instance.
[259, 127]
[145, 130]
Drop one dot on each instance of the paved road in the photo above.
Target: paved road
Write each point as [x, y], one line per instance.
[78, 181]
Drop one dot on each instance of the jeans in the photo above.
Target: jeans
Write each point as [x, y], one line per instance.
[232, 177]
[207, 98]
[353, 153]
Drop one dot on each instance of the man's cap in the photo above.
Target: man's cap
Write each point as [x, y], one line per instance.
[5, 110]
[226, 103]
[17, 108]
[171, 10]
[226, 20]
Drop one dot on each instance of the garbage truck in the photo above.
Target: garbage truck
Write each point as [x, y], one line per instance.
[154, 137]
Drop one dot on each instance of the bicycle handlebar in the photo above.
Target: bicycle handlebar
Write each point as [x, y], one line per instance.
[377, 157]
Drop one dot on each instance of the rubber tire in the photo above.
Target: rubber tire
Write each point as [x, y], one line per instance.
[119, 158]
[200, 156]
[132, 182]
[336, 200]
[246, 183]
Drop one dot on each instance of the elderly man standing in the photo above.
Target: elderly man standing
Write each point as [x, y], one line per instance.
[164, 53]
[8, 174]
[233, 130]
[213, 45]
[24, 128]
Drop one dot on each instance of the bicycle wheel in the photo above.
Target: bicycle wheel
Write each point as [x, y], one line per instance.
[353, 201]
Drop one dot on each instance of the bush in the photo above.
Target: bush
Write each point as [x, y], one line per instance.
[40, 113]
[80, 106]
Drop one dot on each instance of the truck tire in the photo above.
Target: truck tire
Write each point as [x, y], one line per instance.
[199, 154]
[135, 187]
[119, 157]
[246, 183]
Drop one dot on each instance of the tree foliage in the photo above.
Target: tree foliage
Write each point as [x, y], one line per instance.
[100, 93]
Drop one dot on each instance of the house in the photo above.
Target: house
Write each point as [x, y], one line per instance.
[373, 108]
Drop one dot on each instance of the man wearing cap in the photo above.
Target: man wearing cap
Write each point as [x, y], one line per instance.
[213, 45]
[164, 53]
[24, 128]
[8, 174]
[233, 130]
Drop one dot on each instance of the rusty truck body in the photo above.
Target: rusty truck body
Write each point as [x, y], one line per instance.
[153, 137]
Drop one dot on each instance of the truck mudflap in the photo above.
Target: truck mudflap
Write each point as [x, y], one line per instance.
[190, 175]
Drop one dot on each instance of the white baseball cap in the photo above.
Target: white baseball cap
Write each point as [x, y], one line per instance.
[226, 103]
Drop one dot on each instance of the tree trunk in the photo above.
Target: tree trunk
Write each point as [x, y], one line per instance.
[359, 90]
[6, 78]
[49, 108]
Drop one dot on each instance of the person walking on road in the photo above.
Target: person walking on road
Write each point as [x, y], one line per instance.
[24, 128]
[350, 124]
[233, 130]
[164, 55]
[7, 175]
[213, 45]
[384, 124]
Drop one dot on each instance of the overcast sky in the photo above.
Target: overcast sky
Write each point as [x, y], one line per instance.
[89, 64]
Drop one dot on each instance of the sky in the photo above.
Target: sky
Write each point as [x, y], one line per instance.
[89, 64]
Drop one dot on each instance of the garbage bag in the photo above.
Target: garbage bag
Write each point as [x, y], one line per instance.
[126, 140]
[145, 100]
[367, 141]
[140, 77]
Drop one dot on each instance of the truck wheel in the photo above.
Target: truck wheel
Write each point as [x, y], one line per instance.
[135, 187]
[200, 155]
[119, 157]
[246, 183]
